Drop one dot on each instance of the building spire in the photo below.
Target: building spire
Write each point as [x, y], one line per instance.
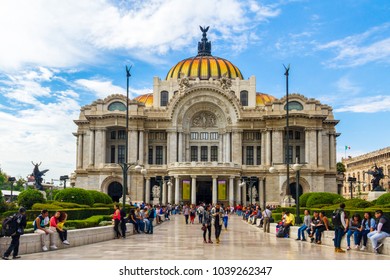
[204, 47]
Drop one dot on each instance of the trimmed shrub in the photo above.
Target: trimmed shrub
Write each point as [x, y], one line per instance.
[303, 199]
[29, 197]
[383, 199]
[321, 198]
[99, 197]
[70, 205]
[357, 203]
[110, 205]
[93, 221]
[48, 206]
[75, 195]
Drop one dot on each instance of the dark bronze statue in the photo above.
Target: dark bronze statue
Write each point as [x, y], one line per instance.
[38, 175]
[378, 175]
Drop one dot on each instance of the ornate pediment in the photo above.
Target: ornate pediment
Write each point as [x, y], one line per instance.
[204, 119]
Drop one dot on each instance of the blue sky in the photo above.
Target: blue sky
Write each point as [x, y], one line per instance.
[57, 56]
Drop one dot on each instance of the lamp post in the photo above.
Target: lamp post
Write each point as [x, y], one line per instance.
[351, 180]
[64, 178]
[12, 180]
[264, 200]
[286, 73]
[250, 183]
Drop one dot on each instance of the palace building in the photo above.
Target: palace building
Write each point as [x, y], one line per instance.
[203, 131]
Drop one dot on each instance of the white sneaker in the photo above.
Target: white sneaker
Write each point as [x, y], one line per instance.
[66, 242]
[363, 248]
[44, 249]
[356, 246]
[53, 247]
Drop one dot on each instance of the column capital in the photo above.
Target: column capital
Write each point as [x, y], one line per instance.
[214, 176]
[193, 176]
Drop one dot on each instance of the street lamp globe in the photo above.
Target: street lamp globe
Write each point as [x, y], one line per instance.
[297, 167]
[138, 168]
[272, 169]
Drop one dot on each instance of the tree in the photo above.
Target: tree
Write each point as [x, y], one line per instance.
[340, 167]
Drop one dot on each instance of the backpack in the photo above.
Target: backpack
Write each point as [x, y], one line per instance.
[336, 218]
[11, 225]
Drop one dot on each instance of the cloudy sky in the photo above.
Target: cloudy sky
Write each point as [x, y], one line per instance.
[56, 56]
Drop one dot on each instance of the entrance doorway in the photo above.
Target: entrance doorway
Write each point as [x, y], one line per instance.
[115, 191]
[204, 192]
[293, 191]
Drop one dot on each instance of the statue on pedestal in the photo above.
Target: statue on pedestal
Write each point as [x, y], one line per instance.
[156, 191]
[378, 175]
[38, 175]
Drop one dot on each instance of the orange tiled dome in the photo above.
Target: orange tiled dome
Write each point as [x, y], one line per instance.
[262, 98]
[147, 99]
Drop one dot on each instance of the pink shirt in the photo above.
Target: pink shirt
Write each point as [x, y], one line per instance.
[53, 221]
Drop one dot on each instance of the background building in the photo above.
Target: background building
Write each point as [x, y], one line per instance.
[357, 167]
[204, 127]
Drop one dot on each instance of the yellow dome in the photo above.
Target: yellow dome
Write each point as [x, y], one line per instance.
[204, 66]
[263, 98]
[147, 99]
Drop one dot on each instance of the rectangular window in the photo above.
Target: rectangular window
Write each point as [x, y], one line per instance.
[159, 154]
[194, 136]
[213, 135]
[150, 155]
[298, 153]
[290, 134]
[194, 153]
[249, 155]
[290, 154]
[297, 135]
[121, 154]
[244, 98]
[214, 153]
[258, 155]
[203, 153]
[113, 135]
[121, 134]
[257, 135]
[112, 154]
[204, 136]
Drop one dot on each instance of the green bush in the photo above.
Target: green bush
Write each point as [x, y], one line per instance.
[357, 203]
[70, 205]
[303, 199]
[29, 197]
[322, 198]
[48, 206]
[383, 199]
[75, 195]
[110, 205]
[93, 221]
[99, 197]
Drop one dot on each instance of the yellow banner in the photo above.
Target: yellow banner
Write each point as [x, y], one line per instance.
[186, 190]
[221, 190]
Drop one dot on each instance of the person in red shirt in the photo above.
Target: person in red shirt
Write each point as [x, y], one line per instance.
[117, 218]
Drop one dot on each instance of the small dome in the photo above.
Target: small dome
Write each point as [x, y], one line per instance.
[147, 99]
[204, 66]
[263, 98]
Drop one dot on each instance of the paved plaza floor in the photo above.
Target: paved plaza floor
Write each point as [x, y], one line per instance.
[177, 241]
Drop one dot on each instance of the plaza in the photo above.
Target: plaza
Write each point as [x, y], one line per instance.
[174, 240]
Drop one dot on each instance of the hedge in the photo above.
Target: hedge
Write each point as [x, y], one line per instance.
[323, 198]
[383, 199]
[99, 197]
[75, 195]
[29, 197]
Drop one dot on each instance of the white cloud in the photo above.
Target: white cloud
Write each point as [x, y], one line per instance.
[345, 86]
[69, 33]
[367, 47]
[101, 88]
[372, 104]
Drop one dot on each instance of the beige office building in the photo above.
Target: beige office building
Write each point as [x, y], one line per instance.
[204, 127]
[356, 167]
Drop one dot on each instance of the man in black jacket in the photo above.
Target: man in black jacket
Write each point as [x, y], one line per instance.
[14, 246]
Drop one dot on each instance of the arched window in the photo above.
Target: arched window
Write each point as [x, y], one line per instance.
[294, 105]
[244, 97]
[164, 98]
[117, 106]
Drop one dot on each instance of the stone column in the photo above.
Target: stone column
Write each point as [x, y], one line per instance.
[164, 194]
[231, 190]
[177, 192]
[320, 149]
[98, 148]
[132, 152]
[221, 148]
[228, 148]
[187, 149]
[104, 147]
[214, 191]
[261, 193]
[332, 152]
[268, 148]
[91, 159]
[263, 146]
[244, 201]
[141, 148]
[307, 146]
[238, 192]
[172, 147]
[180, 159]
[147, 191]
[169, 184]
[313, 147]
[80, 144]
[237, 144]
[193, 190]
[277, 146]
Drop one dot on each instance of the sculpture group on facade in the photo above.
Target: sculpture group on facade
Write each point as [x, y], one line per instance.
[38, 175]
